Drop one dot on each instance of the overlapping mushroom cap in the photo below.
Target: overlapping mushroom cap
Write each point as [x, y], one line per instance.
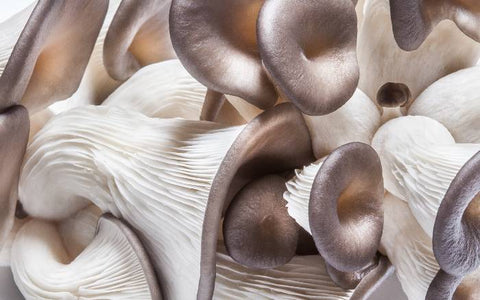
[138, 36]
[413, 20]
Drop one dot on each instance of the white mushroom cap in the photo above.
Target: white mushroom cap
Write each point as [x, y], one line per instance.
[454, 101]
[113, 265]
[446, 50]
[166, 90]
[420, 159]
[356, 121]
[408, 248]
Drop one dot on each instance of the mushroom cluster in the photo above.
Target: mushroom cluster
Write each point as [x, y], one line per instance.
[241, 149]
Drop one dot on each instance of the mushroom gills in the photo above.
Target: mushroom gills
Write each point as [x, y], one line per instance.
[419, 164]
[113, 265]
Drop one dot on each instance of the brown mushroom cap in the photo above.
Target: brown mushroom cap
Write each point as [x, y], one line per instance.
[14, 127]
[257, 229]
[456, 233]
[345, 209]
[51, 54]
[138, 36]
[413, 20]
[393, 95]
[443, 286]
[216, 42]
[276, 141]
[311, 55]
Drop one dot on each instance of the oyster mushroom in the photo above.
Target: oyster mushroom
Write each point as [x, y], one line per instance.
[325, 195]
[217, 43]
[408, 247]
[113, 265]
[310, 56]
[170, 178]
[166, 90]
[456, 234]
[453, 101]
[414, 20]
[6, 249]
[137, 36]
[381, 60]
[420, 159]
[37, 66]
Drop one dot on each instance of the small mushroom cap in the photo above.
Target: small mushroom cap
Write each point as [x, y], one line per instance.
[51, 54]
[413, 20]
[257, 151]
[345, 209]
[393, 95]
[14, 128]
[257, 229]
[137, 36]
[456, 233]
[311, 55]
[217, 43]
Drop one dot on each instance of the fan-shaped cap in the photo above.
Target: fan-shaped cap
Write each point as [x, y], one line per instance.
[413, 20]
[311, 54]
[456, 233]
[217, 43]
[51, 54]
[14, 128]
[277, 140]
[393, 95]
[345, 209]
[257, 229]
[137, 36]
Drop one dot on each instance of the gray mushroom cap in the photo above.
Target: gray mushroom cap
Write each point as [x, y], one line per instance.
[345, 209]
[413, 20]
[393, 95]
[257, 229]
[217, 43]
[311, 55]
[138, 36]
[51, 54]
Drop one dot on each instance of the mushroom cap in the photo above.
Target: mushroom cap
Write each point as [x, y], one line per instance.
[311, 55]
[113, 265]
[137, 36]
[454, 101]
[51, 54]
[257, 230]
[393, 95]
[14, 128]
[413, 20]
[456, 233]
[216, 42]
[345, 209]
[257, 151]
[443, 286]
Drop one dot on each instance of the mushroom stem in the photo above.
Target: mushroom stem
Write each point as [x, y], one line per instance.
[212, 105]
